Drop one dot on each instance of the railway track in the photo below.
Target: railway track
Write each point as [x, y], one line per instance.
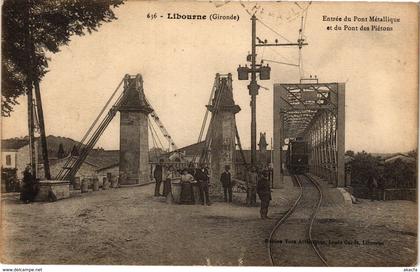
[301, 247]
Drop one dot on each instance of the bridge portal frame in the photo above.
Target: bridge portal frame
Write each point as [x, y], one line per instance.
[315, 112]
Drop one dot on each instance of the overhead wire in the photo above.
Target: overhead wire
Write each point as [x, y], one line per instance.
[157, 136]
[208, 139]
[280, 62]
[153, 140]
[302, 37]
[203, 125]
[270, 28]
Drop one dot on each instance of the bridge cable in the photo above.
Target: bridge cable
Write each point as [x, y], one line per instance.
[153, 140]
[208, 139]
[71, 166]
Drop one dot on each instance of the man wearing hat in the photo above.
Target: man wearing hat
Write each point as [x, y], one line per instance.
[226, 180]
[202, 177]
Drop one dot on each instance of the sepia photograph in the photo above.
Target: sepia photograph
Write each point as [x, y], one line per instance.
[209, 133]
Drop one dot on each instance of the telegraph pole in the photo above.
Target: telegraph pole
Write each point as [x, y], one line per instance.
[33, 87]
[253, 87]
[29, 86]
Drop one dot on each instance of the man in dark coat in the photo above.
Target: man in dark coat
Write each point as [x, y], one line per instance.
[28, 190]
[226, 180]
[157, 174]
[264, 193]
[202, 177]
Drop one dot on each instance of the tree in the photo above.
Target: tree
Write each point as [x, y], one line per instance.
[74, 151]
[32, 28]
[363, 166]
[413, 153]
[60, 153]
[400, 174]
[349, 153]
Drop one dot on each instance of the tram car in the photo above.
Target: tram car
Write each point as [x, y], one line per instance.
[297, 157]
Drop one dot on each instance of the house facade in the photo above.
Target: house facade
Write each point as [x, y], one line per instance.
[15, 154]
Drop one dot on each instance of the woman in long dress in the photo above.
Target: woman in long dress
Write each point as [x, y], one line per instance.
[187, 196]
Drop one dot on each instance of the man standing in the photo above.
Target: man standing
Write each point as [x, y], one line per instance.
[264, 192]
[157, 174]
[202, 177]
[226, 180]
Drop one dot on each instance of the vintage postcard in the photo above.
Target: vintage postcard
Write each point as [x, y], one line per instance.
[209, 133]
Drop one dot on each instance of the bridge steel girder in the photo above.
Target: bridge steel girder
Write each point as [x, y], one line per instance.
[315, 112]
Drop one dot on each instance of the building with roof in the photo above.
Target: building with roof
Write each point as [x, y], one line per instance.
[399, 156]
[15, 154]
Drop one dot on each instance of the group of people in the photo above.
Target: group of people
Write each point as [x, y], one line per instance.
[257, 183]
[189, 177]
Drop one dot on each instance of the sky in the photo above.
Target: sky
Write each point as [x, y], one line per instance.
[178, 60]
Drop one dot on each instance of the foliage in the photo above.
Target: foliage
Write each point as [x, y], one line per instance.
[60, 153]
[363, 166]
[74, 151]
[413, 153]
[349, 153]
[394, 174]
[32, 28]
[400, 174]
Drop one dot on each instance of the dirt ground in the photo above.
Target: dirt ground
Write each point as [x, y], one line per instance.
[378, 233]
[129, 226]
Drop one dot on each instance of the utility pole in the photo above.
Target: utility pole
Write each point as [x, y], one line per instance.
[264, 72]
[29, 86]
[44, 147]
[31, 129]
[33, 86]
[253, 88]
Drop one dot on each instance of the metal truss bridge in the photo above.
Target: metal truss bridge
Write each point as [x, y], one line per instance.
[314, 112]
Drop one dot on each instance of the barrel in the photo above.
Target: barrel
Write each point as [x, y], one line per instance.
[114, 182]
[95, 184]
[85, 185]
[176, 191]
[105, 184]
[76, 183]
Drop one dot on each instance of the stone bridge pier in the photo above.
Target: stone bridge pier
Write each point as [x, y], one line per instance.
[223, 129]
[134, 165]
